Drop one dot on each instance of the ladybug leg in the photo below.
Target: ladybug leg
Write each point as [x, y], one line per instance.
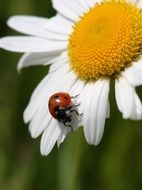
[73, 97]
[69, 108]
[79, 114]
[74, 110]
[66, 125]
[77, 105]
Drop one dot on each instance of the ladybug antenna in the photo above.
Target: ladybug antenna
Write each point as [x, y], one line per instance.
[73, 97]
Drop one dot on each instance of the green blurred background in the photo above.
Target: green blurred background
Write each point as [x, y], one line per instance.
[116, 164]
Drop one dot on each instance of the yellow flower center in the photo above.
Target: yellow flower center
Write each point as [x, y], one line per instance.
[106, 40]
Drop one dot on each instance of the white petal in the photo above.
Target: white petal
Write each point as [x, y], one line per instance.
[91, 3]
[36, 101]
[102, 111]
[65, 25]
[133, 74]
[85, 109]
[76, 91]
[86, 100]
[84, 4]
[51, 78]
[68, 8]
[133, 1]
[127, 100]
[50, 35]
[77, 88]
[31, 44]
[95, 110]
[72, 78]
[49, 138]
[83, 98]
[58, 62]
[34, 26]
[124, 97]
[137, 108]
[64, 132]
[28, 25]
[139, 3]
[61, 67]
[40, 121]
[40, 89]
[32, 59]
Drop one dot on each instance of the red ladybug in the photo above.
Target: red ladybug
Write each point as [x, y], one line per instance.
[60, 107]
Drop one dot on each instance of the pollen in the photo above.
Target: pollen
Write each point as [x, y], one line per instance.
[106, 40]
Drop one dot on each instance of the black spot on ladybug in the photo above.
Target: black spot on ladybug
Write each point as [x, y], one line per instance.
[66, 97]
[56, 97]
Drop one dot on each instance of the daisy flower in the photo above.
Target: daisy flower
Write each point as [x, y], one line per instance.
[88, 44]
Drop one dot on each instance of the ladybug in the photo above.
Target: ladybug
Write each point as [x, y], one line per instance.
[60, 107]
